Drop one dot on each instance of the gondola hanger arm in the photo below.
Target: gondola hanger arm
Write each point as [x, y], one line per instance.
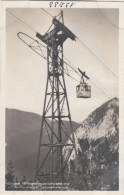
[41, 50]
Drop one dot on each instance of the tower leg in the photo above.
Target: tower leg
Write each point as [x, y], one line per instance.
[56, 125]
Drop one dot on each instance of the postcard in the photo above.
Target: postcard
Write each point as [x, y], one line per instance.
[62, 97]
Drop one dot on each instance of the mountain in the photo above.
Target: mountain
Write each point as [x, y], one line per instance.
[97, 144]
[22, 138]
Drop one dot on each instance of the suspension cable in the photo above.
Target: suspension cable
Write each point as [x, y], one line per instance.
[90, 79]
[68, 64]
[47, 12]
[97, 57]
[21, 21]
[91, 52]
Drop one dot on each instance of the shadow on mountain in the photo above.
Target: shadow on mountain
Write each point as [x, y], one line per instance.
[97, 143]
[22, 139]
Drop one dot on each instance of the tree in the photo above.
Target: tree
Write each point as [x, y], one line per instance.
[10, 174]
[23, 179]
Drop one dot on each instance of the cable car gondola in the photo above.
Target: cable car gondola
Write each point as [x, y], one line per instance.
[83, 90]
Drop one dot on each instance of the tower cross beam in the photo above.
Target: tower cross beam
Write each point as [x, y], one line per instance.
[54, 163]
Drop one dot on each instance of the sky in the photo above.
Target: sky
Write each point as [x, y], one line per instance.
[26, 72]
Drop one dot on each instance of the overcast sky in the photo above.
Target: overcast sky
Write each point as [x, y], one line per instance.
[26, 72]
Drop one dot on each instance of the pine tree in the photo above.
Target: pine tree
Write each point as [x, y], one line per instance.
[10, 174]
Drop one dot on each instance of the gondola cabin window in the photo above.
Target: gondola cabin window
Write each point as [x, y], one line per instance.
[83, 90]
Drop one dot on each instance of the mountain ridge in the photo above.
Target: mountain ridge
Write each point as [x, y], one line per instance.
[97, 145]
[22, 138]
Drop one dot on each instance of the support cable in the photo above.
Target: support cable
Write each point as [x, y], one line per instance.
[68, 64]
[22, 21]
[115, 76]
[47, 12]
[91, 52]
[99, 88]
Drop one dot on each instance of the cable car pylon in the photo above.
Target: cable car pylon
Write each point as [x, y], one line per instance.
[52, 164]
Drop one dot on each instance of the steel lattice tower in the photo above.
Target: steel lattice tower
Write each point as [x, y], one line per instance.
[52, 164]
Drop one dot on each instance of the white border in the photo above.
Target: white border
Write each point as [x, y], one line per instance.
[45, 4]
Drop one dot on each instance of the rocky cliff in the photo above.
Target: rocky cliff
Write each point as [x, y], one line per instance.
[97, 144]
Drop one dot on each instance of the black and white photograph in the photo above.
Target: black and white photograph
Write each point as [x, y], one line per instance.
[62, 99]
